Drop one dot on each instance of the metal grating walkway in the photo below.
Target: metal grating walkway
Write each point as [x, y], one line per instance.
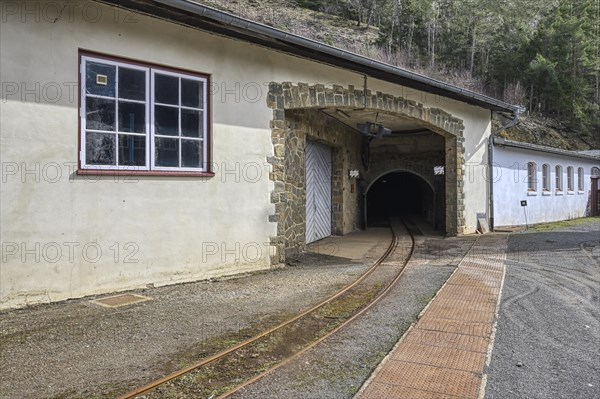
[444, 354]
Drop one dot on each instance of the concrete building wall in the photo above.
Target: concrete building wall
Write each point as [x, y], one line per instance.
[511, 187]
[66, 236]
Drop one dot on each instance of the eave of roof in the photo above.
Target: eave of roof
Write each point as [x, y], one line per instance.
[209, 19]
[502, 142]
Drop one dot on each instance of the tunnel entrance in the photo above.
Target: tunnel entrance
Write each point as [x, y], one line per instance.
[400, 194]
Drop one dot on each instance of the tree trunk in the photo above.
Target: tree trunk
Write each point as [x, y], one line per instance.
[531, 99]
[411, 31]
[472, 52]
[399, 22]
[391, 38]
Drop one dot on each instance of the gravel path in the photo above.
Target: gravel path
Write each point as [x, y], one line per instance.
[78, 349]
[548, 334]
[338, 367]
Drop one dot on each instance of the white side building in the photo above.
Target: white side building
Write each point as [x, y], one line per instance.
[556, 184]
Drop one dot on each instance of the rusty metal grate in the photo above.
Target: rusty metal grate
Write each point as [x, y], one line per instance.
[455, 326]
[429, 378]
[465, 315]
[379, 390]
[117, 301]
[447, 340]
[445, 357]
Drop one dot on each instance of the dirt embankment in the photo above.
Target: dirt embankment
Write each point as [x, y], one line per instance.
[550, 132]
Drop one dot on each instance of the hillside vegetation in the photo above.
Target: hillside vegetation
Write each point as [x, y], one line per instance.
[541, 54]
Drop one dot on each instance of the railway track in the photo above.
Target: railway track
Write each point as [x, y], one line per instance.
[228, 371]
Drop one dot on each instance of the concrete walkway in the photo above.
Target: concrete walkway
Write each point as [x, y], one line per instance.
[361, 246]
[444, 354]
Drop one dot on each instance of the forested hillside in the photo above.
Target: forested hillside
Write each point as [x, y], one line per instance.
[541, 54]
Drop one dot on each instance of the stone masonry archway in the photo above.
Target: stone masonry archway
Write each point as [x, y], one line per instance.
[296, 116]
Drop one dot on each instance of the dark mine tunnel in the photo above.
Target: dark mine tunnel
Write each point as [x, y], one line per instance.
[399, 194]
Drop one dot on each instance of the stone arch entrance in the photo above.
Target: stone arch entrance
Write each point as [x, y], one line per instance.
[302, 112]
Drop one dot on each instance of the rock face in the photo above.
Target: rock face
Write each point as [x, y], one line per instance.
[547, 131]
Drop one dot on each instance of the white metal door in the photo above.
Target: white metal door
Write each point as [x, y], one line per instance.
[318, 191]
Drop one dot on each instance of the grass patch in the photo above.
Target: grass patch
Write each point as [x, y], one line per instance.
[563, 224]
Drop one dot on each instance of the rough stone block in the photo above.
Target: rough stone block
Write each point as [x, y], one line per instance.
[287, 99]
[275, 88]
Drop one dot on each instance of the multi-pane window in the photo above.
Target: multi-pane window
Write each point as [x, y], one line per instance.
[580, 179]
[531, 176]
[142, 118]
[570, 179]
[559, 178]
[546, 177]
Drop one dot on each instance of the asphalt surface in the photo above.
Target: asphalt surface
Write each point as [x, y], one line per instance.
[548, 334]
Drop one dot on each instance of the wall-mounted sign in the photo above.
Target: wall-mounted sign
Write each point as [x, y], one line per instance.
[101, 80]
[523, 203]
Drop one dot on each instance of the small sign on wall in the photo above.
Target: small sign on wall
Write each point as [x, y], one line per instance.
[523, 203]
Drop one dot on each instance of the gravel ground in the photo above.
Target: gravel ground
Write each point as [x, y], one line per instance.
[548, 335]
[78, 349]
[337, 367]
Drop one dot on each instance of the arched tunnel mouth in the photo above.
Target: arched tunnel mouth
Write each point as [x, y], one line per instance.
[399, 194]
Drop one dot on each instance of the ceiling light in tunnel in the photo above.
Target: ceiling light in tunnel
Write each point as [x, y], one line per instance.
[383, 131]
[367, 130]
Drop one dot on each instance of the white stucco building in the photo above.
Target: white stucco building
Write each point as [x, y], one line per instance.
[556, 184]
[163, 142]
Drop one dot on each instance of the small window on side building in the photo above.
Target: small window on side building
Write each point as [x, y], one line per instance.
[531, 176]
[559, 178]
[546, 177]
[570, 179]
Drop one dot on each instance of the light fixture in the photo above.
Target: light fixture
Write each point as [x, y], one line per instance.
[374, 130]
[383, 131]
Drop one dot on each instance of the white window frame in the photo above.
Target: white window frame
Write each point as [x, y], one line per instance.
[570, 180]
[546, 184]
[82, 111]
[202, 139]
[532, 179]
[558, 170]
[149, 125]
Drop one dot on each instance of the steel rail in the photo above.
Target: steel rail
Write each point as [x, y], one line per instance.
[154, 384]
[341, 326]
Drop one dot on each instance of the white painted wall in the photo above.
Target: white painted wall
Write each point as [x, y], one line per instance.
[159, 230]
[510, 187]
